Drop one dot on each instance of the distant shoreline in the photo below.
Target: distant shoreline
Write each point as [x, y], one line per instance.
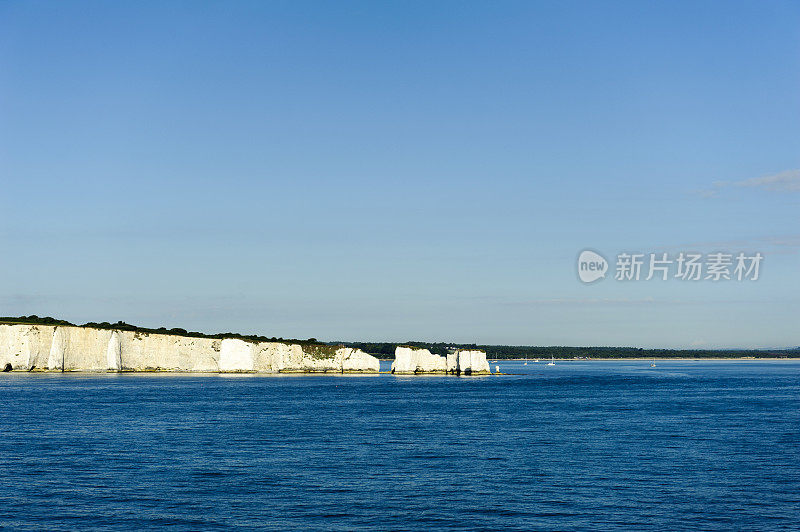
[642, 359]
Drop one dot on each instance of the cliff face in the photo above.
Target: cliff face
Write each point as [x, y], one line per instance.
[66, 348]
[408, 361]
[25, 346]
[166, 352]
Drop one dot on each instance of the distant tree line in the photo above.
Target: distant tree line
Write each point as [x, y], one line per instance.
[386, 350]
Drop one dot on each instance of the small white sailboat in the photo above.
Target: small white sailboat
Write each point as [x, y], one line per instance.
[653, 363]
[552, 361]
[526, 361]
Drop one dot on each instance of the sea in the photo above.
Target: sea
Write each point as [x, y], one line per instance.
[582, 445]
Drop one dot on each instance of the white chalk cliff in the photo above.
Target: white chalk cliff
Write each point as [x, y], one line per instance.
[410, 361]
[69, 348]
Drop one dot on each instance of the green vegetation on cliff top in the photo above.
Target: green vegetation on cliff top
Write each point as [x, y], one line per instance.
[122, 326]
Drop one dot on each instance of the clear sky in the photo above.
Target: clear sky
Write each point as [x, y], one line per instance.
[401, 170]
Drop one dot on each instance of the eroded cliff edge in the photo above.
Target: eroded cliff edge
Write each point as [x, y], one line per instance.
[25, 347]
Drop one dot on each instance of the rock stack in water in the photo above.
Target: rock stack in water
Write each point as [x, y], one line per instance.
[414, 361]
[410, 360]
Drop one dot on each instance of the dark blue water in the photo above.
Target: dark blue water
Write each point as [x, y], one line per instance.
[582, 445]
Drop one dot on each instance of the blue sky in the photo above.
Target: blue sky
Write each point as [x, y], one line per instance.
[397, 171]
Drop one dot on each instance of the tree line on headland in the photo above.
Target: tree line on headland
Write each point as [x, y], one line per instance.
[122, 326]
[494, 352]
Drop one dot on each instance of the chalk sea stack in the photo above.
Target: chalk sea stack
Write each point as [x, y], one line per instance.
[416, 361]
